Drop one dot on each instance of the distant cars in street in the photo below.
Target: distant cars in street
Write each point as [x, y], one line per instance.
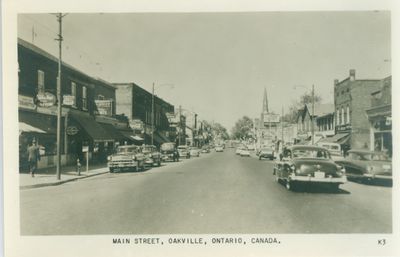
[205, 149]
[152, 155]
[308, 165]
[367, 165]
[169, 152]
[194, 151]
[244, 152]
[219, 148]
[267, 153]
[184, 151]
[333, 148]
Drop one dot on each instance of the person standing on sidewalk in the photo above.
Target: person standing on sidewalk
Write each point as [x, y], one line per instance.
[33, 157]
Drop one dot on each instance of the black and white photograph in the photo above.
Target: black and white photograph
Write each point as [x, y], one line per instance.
[164, 130]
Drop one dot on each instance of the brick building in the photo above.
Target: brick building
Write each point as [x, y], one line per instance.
[37, 109]
[380, 117]
[351, 100]
[136, 103]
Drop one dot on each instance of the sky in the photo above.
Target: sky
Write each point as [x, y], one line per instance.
[218, 64]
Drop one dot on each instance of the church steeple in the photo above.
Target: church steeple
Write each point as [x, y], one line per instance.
[265, 102]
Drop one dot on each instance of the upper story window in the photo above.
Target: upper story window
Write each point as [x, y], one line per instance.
[40, 81]
[342, 118]
[337, 117]
[348, 114]
[73, 92]
[84, 98]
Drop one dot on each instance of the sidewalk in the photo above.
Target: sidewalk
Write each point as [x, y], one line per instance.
[48, 177]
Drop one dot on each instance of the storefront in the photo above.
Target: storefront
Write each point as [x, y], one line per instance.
[381, 129]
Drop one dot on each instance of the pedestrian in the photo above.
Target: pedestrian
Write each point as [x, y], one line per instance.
[33, 157]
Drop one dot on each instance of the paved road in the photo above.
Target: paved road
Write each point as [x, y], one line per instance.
[215, 193]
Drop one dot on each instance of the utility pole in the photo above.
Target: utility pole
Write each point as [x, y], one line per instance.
[59, 39]
[152, 115]
[282, 127]
[180, 125]
[312, 123]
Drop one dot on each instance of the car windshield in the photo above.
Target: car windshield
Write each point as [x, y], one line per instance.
[148, 149]
[368, 156]
[134, 149]
[310, 153]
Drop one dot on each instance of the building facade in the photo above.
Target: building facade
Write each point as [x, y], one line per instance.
[37, 110]
[380, 118]
[351, 100]
[136, 104]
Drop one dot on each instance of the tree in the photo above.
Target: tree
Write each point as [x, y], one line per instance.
[243, 128]
[306, 98]
[216, 129]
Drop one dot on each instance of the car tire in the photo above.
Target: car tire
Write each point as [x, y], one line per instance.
[259, 158]
[136, 168]
[289, 185]
[111, 170]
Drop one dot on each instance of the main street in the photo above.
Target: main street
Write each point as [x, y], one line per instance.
[215, 193]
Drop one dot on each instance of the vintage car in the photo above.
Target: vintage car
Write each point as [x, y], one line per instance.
[307, 165]
[169, 152]
[152, 155]
[126, 157]
[184, 151]
[194, 151]
[205, 149]
[333, 148]
[367, 165]
[219, 148]
[239, 149]
[244, 152]
[266, 153]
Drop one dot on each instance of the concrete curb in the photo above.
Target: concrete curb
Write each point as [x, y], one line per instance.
[56, 183]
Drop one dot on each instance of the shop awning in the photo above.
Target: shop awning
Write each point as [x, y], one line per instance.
[23, 127]
[42, 122]
[129, 134]
[93, 129]
[340, 138]
[113, 132]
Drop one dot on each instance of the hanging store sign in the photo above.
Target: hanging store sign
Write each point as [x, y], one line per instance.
[46, 99]
[136, 124]
[26, 102]
[68, 100]
[72, 130]
[104, 107]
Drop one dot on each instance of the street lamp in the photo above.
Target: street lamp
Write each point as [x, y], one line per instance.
[152, 109]
[312, 115]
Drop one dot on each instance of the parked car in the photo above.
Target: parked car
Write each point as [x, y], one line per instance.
[169, 152]
[367, 165]
[194, 151]
[152, 155]
[308, 164]
[219, 148]
[205, 149]
[184, 151]
[126, 157]
[244, 152]
[251, 147]
[266, 153]
[333, 148]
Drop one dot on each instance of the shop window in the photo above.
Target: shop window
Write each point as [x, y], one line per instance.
[84, 98]
[40, 81]
[73, 92]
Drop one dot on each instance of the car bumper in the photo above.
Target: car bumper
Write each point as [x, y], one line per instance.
[376, 176]
[340, 180]
[122, 164]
